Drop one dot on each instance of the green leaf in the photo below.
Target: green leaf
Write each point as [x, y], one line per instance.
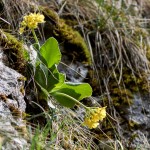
[70, 91]
[49, 79]
[64, 99]
[56, 79]
[41, 75]
[42, 93]
[36, 46]
[50, 52]
[82, 89]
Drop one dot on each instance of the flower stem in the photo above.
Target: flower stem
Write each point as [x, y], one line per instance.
[35, 37]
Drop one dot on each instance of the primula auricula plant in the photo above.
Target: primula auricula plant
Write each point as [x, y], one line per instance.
[51, 82]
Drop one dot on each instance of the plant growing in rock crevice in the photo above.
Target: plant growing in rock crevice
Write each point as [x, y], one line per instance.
[48, 78]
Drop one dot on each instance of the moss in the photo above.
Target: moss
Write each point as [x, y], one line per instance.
[121, 97]
[15, 111]
[73, 41]
[52, 15]
[14, 50]
[122, 93]
[70, 22]
[136, 83]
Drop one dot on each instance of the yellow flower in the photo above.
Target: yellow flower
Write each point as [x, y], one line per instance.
[102, 112]
[93, 116]
[31, 21]
[88, 122]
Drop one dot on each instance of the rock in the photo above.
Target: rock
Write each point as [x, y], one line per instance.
[139, 112]
[12, 107]
[138, 117]
[75, 71]
[140, 141]
[11, 84]
[107, 145]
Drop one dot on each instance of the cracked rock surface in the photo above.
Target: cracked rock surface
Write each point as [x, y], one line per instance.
[12, 106]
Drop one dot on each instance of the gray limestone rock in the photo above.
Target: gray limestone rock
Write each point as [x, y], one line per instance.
[138, 114]
[12, 105]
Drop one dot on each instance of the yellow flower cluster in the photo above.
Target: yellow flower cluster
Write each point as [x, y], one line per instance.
[93, 116]
[31, 21]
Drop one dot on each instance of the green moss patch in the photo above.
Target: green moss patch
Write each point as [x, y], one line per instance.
[15, 51]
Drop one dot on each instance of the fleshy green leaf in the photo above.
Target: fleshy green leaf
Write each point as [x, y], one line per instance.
[64, 99]
[42, 93]
[49, 79]
[82, 89]
[50, 52]
[55, 79]
[41, 75]
[70, 91]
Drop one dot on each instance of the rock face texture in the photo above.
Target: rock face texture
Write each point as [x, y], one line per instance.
[138, 116]
[12, 107]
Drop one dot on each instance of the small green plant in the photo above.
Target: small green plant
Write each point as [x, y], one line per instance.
[50, 81]
[39, 139]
